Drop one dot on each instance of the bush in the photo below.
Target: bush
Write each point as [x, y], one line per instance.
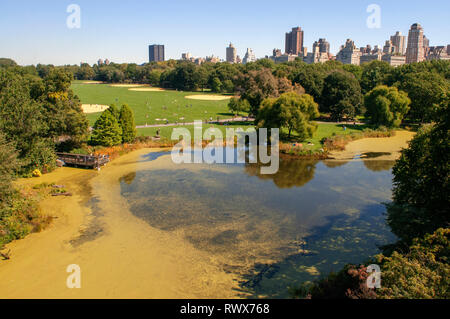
[422, 273]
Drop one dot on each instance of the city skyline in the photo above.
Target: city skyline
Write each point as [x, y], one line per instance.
[104, 33]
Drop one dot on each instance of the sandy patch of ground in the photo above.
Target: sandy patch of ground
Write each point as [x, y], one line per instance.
[206, 97]
[147, 89]
[93, 108]
[127, 85]
[381, 148]
[120, 255]
[92, 82]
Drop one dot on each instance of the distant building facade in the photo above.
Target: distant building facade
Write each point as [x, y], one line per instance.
[349, 54]
[249, 56]
[231, 54]
[438, 53]
[294, 41]
[389, 47]
[415, 49]
[156, 53]
[316, 56]
[186, 56]
[399, 42]
[323, 46]
[394, 59]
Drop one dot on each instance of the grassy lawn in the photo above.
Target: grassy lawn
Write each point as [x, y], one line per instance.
[326, 130]
[323, 130]
[172, 105]
[166, 132]
[149, 106]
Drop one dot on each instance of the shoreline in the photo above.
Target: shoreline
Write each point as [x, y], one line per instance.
[96, 230]
[157, 264]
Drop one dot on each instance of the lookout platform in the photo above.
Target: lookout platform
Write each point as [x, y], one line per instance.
[80, 160]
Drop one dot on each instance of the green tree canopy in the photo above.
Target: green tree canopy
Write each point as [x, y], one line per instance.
[386, 106]
[426, 90]
[107, 131]
[127, 124]
[341, 95]
[373, 74]
[237, 105]
[421, 184]
[292, 111]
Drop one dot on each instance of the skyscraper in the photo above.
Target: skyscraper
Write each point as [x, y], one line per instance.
[156, 53]
[415, 50]
[399, 42]
[231, 54]
[294, 41]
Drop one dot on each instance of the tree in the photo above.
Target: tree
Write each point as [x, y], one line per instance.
[386, 106]
[421, 273]
[374, 74]
[5, 63]
[421, 186]
[114, 111]
[257, 85]
[126, 121]
[341, 95]
[237, 105]
[9, 165]
[426, 91]
[312, 79]
[107, 131]
[62, 109]
[292, 111]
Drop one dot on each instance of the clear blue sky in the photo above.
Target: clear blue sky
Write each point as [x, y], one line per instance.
[34, 32]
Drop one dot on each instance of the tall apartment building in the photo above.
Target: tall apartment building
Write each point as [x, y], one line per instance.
[415, 50]
[389, 48]
[156, 53]
[399, 42]
[349, 54]
[323, 45]
[249, 56]
[294, 41]
[231, 54]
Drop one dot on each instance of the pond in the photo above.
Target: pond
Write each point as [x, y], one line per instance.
[275, 231]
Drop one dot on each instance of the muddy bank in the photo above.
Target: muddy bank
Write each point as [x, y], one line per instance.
[388, 148]
[120, 255]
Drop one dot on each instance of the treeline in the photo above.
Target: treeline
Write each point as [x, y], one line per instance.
[338, 89]
[36, 115]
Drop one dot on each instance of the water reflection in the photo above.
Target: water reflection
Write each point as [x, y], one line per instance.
[378, 166]
[292, 172]
[327, 211]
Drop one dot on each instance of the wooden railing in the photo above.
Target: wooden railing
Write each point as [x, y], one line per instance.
[82, 160]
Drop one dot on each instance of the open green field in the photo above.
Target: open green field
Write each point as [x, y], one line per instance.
[173, 106]
[150, 106]
[166, 132]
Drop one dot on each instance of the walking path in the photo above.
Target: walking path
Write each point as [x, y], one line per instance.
[237, 119]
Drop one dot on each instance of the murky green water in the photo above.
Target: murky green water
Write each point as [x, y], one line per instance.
[277, 231]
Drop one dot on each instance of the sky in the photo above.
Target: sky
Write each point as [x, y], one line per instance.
[33, 32]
